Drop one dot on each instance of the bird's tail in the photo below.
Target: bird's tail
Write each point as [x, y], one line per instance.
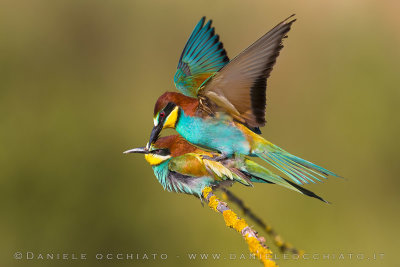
[298, 170]
[259, 174]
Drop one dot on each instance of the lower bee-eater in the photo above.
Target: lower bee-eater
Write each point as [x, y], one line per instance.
[181, 167]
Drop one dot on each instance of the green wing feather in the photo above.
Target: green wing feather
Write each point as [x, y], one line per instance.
[202, 56]
[261, 174]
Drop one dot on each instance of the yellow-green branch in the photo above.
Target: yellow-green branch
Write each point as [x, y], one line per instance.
[256, 244]
[279, 242]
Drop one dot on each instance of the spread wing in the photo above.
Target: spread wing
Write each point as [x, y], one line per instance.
[239, 88]
[202, 56]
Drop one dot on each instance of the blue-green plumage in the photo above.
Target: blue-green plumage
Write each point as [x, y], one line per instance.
[202, 56]
[161, 172]
[218, 134]
[180, 183]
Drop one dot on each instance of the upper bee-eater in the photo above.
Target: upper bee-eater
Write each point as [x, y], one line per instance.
[224, 101]
[181, 167]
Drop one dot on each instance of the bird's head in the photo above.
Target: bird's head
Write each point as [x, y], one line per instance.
[166, 117]
[153, 155]
[164, 148]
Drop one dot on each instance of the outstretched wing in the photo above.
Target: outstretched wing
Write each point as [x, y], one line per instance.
[239, 88]
[202, 56]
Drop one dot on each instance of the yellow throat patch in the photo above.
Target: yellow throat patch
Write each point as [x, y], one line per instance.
[154, 159]
[172, 118]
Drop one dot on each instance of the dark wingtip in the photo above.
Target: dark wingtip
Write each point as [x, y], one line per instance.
[306, 191]
[320, 198]
[258, 92]
[291, 16]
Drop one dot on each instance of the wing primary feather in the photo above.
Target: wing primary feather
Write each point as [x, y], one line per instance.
[306, 191]
[208, 48]
[193, 36]
[267, 159]
[287, 168]
[202, 34]
[243, 81]
[202, 56]
[301, 167]
[204, 43]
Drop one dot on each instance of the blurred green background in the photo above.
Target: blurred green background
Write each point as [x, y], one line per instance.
[78, 80]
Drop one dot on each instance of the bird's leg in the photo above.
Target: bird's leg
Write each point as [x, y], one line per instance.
[217, 158]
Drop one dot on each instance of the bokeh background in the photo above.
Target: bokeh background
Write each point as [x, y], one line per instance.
[78, 80]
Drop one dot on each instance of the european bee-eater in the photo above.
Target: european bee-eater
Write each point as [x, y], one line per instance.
[223, 110]
[181, 167]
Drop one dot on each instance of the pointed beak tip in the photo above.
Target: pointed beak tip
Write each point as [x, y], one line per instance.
[142, 150]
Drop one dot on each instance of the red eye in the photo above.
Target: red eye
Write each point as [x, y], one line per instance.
[162, 114]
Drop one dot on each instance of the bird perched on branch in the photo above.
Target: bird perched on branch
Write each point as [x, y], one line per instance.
[223, 102]
[181, 167]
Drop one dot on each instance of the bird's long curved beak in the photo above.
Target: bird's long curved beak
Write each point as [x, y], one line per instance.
[142, 150]
[154, 135]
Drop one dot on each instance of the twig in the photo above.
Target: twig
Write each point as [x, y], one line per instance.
[282, 245]
[256, 244]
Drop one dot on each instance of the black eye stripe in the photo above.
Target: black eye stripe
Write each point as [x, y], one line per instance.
[161, 152]
[169, 108]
